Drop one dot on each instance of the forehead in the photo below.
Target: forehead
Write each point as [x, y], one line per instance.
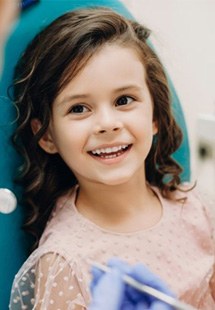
[111, 66]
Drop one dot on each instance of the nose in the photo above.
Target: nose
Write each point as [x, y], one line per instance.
[107, 121]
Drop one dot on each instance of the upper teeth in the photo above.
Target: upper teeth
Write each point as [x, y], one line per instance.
[110, 149]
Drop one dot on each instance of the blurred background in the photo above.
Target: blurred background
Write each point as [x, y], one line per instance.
[183, 34]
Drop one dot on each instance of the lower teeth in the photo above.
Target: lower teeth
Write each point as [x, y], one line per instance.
[110, 156]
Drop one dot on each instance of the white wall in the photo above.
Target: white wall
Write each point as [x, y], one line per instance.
[184, 37]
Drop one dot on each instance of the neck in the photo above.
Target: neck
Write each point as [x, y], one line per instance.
[111, 205]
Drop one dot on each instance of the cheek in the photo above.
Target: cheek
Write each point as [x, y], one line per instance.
[142, 123]
[69, 140]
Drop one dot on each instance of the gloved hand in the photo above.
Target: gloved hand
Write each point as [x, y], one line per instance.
[109, 292]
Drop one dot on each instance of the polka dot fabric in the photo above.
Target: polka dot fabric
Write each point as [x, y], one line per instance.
[180, 249]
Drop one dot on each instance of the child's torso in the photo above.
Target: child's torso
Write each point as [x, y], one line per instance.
[179, 248]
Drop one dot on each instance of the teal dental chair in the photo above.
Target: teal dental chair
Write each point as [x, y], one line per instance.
[14, 243]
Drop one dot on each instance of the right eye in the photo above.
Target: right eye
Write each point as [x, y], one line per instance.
[78, 109]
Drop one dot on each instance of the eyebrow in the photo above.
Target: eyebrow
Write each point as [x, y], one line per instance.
[128, 87]
[72, 97]
[84, 96]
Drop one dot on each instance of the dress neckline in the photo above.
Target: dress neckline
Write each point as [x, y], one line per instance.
[71, 203]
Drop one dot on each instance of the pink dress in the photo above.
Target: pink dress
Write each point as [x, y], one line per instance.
[180, 249]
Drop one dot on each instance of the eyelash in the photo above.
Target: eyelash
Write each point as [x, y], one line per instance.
[82, 106]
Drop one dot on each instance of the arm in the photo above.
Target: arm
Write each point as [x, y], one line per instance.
[47, 282]
[56, 285]
[212, 285]
[8, 13]
[209, 209]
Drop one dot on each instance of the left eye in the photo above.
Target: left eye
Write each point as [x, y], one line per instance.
[124, 100]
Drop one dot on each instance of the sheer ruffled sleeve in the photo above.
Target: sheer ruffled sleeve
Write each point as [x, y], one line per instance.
[48, 282]
[212, 285]
[209, 204]
[212, 220]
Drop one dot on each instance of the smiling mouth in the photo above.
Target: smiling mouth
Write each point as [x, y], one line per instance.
[112, 152]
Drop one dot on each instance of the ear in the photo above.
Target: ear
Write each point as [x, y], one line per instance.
[155, 127]
[46, 142]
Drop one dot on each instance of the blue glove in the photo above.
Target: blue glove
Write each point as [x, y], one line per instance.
[109, 292]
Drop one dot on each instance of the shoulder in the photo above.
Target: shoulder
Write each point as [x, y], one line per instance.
[196, 197]
[193, 198]
[191, 206]
[68, 232]
[64, 221]
[47, 279]
[198, 207]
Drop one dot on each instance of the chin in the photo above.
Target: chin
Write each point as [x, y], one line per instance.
[116, 181]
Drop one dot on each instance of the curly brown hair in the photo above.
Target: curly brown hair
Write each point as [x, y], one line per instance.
[51, 60]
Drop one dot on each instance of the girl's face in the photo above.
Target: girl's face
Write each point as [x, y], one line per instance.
[102, 123]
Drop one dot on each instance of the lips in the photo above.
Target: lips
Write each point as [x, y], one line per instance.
[110, 152]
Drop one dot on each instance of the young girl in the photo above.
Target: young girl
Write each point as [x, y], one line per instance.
[96, 132]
